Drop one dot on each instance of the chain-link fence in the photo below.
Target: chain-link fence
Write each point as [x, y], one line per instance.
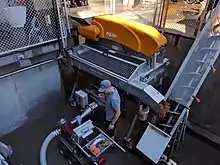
[91, 8]
[185, 17]
[144, 11]
[25, 23]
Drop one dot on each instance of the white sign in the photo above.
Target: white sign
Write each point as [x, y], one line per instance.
[112, 35]
[154, 94]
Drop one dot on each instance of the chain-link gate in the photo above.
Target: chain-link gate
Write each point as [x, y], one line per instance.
[144, 11]
[90, 8]
[26, 23]
[185, 17]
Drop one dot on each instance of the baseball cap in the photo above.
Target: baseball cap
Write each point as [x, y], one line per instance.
[105, 84]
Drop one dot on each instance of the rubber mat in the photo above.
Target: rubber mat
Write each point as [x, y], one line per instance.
[119, 67]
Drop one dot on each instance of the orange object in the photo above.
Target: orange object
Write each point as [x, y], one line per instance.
[197, 99]
[213, 69]
[94, 149]
[91, 32]
[137, 36]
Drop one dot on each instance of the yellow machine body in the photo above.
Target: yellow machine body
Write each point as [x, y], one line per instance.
[91, 32]
[137, 36]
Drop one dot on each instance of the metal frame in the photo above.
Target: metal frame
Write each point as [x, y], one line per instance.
[131, 85]
[67, 17]
[165, 133]
[30, 67]
[153, 143]
[82, 148]
[61, 16]
[26, 47]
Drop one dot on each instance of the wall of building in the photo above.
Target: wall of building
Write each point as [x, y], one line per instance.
[23, 91]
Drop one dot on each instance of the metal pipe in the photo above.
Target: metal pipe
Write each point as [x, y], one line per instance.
[89, 109]
[113, 7]
[178, 121]
[98, 140]
[26, 47]
[172, 147]
[165, 14]
[159, 14]
[74, 88]
[183, 128]
[30, 67]
[82, 150]
[61, 24]
[86, 112]
[67, 17]
[202, 18]
[132, 126]
[155, 13]
[162, 13]
[55, 12]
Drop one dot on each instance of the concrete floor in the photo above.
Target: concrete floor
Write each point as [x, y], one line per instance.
[26, 140]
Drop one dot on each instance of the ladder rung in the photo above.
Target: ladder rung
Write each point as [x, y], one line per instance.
[179, 99]
[214, 36]
[208, 49]
[204, 62]
[174, 113]
[194, 73]
[187, 86]
[165, 125]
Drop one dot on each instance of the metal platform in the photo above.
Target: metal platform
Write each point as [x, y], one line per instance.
[128, 72]
[106, 61]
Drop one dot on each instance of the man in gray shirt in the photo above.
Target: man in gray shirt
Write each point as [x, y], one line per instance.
[113, 104]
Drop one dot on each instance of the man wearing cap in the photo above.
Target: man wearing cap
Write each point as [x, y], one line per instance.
[113, 103]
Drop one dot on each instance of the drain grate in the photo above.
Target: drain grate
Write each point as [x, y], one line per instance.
[119, 67]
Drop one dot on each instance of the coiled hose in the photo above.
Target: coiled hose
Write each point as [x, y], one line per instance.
[43, 151]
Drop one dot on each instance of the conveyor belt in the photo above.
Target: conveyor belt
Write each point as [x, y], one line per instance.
[114, 65]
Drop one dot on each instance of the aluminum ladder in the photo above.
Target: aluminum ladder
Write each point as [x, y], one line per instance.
[196, 66]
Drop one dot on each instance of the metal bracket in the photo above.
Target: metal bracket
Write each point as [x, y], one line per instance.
[170, 162]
